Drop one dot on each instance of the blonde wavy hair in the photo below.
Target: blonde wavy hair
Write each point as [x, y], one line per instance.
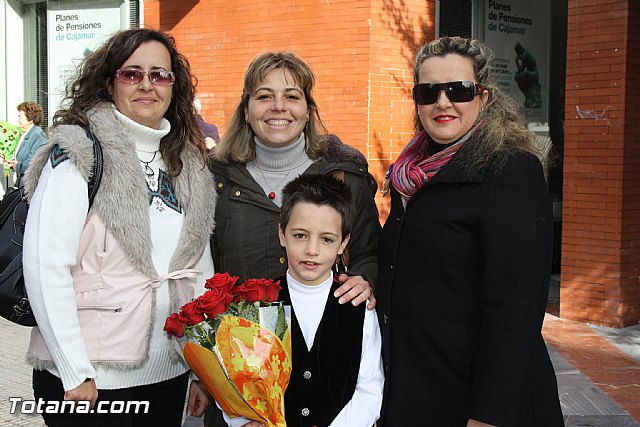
[237, 144]
[504, 127]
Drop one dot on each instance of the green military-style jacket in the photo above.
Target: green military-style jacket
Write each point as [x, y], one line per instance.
[245, 241]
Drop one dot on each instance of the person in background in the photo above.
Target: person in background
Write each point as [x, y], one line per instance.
[465, 256]
[30, 116]
[102, 283]
[274, 136]
[209, 130]
[336, 377]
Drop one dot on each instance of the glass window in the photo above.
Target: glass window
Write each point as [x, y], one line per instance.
[45, 41]
[454, 18]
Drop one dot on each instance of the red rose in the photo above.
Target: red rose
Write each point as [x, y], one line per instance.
[173, 326]
[254, 290]
[213, 302]
[222, 281]
[190, 314]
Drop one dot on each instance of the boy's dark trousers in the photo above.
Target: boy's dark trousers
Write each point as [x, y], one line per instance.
[213, 417]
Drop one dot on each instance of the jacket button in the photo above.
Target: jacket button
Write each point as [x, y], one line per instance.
[220, 185]
[385, 319]
[282, 260]
[398, 219]
[305, 412]
[306, 375]
[237, 193]
[391, 267]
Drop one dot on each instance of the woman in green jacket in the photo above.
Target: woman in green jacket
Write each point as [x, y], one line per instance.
[274, 136]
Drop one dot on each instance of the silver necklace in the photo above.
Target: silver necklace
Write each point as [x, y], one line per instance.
[295, 166]
[148, 170]
[272, 194]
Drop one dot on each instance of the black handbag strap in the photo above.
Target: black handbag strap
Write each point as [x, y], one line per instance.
[11, 199]
[96, 169]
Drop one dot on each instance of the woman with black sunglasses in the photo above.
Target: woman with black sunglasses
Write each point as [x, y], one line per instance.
[465, 255]
[102, 279]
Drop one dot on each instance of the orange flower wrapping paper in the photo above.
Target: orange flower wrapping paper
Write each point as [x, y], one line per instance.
[253, 371]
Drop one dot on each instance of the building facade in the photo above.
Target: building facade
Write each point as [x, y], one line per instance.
[571, 64]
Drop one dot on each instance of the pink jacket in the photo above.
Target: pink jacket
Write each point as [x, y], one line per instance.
[114, 277]
[112, 296]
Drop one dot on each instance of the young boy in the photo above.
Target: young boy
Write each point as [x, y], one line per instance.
[337, 376]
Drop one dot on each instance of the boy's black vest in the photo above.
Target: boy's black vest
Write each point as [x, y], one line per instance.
[324, 378]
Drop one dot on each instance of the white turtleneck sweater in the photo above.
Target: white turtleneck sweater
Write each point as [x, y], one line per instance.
[273, 168]
[62, 193]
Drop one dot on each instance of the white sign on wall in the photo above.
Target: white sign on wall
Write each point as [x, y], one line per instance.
[518, 32]
[72, 34]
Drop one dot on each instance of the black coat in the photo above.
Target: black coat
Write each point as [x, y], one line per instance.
[463, 281]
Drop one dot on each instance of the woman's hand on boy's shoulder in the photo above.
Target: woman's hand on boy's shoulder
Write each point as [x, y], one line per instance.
[355, 289]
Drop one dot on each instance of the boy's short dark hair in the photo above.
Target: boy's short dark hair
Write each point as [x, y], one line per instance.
[317, 189]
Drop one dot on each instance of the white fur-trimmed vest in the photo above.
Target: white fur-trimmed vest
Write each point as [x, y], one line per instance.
[115, 255]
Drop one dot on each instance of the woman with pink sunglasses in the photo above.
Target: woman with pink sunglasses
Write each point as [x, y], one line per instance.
[103, 278]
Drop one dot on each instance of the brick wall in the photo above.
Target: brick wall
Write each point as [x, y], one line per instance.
[601, 195]
[361, 52]
[630, 258]
[397, 32]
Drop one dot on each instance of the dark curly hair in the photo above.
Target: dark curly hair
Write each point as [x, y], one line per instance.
[94, 81]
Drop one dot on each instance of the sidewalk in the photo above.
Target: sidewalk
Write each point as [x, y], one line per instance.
[598, 382]
[598, 377]
[15, 377]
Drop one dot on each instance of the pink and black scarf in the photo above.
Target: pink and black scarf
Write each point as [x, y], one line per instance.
[415, 167]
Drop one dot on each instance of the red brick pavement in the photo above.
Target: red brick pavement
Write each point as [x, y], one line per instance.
[608, 367]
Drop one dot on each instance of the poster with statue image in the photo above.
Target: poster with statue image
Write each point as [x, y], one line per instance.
[74, 31]
[518, 32]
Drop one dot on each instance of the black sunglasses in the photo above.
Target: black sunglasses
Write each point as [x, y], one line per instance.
[134, 76]
[462, 91]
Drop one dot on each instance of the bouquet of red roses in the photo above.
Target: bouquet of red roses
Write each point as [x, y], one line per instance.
[239, 346]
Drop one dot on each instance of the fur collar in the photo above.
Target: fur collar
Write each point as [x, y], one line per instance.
[337, 151]
[122, 200]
